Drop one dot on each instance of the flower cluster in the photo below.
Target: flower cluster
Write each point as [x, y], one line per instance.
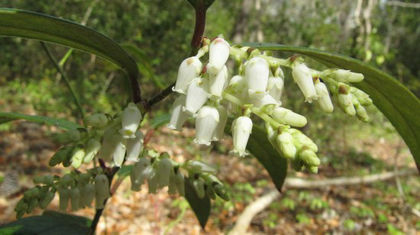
[210, 93]
[121, 140]
[160, 171]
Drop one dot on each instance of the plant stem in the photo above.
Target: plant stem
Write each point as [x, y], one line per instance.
[200, 23]
[66, 80]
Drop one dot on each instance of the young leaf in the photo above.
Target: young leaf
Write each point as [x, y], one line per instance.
[64, 124]
[395, 101]
[32, 25]
[50, 222]
[200, 206]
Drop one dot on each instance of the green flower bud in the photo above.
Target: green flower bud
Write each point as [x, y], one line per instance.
[33, 203]
[75, 199]
[77, 158]
[285, 144]
[92, 148]
[361, 112]
[302, 140]
[342, 75]
[309, 157]
[88, 194]
[97, 120]
[221, 191]
[64, 196]
[345, 99]
[313, 169]
[210, 191]
[163, 171]
[67, 180]
[153, 183]
[361, 96]
[60, 155]
[198, 185]
[73, 135]
[198, 167]
[101, 190]
[46, 200]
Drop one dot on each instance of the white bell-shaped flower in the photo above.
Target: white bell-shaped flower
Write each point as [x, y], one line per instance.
[119, 153]
[205, 124]
[284, 142]
[196, 96]
[256, 74]
[178, 116]
[130, 121]
[286, 116]
[343, 75]
[324, 99]
[101, 190]
[238, 87]
[241, 130]
[92, 148]
[261, 99]
[303, 77]
[189, 69]
[218, 82]
[137, 175]
[135, 147]
[220, 129]
[163, 172]
[218, 55]
[275, 87]
[110, 140]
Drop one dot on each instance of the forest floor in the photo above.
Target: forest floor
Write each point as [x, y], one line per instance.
[382, 207]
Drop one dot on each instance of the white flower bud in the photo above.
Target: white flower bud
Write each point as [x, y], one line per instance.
[189, 69]
[220, 129]
[77, 157]
[218, 82]
[198, 185]
[178, 116]
[342, 75]
[275, 87]
[101, 190]
[261, 99]
[205, 124]
[256, 74]
[302, 76]
[134, 147]
[286, 116]
[119, 153]
[218, 55]
[92, 148]
[285, 144]
[196, 96]
[324, 99]
[130, 121]
[97, 120]
[345, 100]
[241, 130]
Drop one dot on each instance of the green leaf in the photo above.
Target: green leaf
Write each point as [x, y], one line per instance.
[124, 171]
[395, 101]
[64, 124]
[200, 206]
[32, 25]
[262, 149]
[50, 222]
[160, 120]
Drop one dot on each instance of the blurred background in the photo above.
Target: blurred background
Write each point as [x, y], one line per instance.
[157, 33]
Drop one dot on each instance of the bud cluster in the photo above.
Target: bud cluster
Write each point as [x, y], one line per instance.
[78, 189]
[160, 171]
[210, 94]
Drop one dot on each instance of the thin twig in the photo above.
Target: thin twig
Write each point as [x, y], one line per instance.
[66, 80]
[200, 24]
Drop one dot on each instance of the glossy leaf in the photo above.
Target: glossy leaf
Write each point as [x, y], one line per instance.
[395, 101]
[200, 206]
[32, 25]
[64, 124]
[49, 223]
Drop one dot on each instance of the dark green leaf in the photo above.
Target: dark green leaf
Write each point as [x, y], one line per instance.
[200, 206]
[50, 222]
[262, 149]
[64, 124]
[124, 171]
[395, 101]
[27, 24]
